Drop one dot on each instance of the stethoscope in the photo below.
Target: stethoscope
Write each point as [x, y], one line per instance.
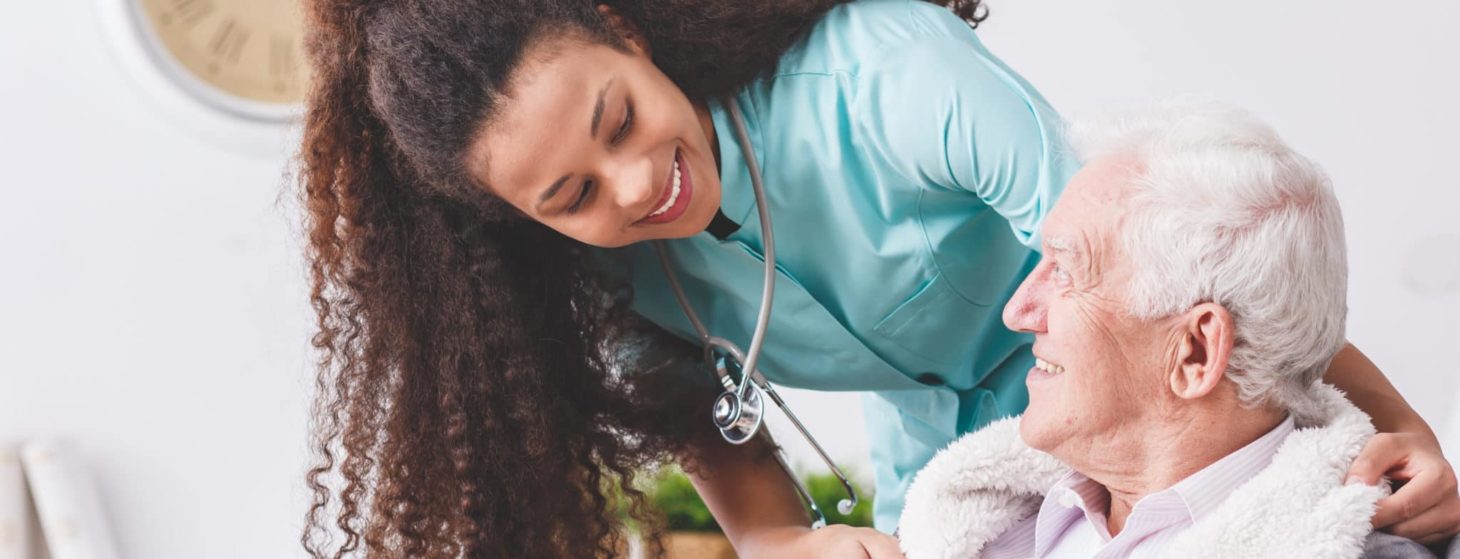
[738, 410]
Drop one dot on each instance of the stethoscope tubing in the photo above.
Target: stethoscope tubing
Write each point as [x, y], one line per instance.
[750, 376]
[768, 240]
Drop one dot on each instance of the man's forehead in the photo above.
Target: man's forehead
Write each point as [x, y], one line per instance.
[1091, 203]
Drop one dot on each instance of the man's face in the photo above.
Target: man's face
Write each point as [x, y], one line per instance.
[1099, 370]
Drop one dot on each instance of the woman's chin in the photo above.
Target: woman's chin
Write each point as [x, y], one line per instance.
[682, 228]
[698, 218]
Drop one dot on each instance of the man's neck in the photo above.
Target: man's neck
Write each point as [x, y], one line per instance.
[1167, 451]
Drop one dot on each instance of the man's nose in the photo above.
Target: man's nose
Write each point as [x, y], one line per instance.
[1026, 311]
[631, 181]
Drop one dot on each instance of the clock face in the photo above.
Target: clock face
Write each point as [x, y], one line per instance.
[251, 49]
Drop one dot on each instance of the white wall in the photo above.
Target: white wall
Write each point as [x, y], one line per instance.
[151, 300]
[151, 296]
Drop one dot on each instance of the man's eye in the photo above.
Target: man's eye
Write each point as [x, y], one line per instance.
[623, 129]
[582, 196]
[1059, 273]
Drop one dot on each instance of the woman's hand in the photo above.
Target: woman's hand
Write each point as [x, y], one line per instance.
[1427, 508]
[836, 541]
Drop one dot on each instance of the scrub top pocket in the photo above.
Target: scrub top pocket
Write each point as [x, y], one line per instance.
[930, 329]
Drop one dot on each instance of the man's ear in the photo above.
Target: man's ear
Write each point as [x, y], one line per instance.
[626, 30]
[1207, 336]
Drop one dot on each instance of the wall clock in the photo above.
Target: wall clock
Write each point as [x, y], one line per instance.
[247, 50]
[234, 68]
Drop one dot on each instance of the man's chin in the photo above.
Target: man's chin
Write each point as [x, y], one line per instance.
[1041, 431]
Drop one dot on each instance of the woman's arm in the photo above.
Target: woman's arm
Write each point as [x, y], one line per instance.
[943, 112]
[1427, 507]
[759, 510]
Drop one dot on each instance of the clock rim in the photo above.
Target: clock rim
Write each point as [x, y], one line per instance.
[152, 60]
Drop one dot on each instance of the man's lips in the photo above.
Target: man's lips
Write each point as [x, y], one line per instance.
[1045, 368]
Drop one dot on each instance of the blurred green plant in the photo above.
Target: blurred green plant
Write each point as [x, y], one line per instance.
[672, 493]
[827, 491]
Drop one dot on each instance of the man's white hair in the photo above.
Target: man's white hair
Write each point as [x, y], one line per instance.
[1225, 212]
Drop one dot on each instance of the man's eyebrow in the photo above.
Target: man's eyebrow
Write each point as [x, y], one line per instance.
[550, 192]
[1060, 245]
[598, 110]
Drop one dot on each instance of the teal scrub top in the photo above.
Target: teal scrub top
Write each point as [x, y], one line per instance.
[907, 172]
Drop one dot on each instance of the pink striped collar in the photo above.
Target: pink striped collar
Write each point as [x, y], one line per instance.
[1077, 500]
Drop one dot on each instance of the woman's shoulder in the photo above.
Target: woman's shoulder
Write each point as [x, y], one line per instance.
[852, 34]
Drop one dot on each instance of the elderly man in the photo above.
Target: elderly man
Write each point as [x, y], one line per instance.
[1192, 293]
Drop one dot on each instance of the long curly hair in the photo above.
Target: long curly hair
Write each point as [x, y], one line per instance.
[483, 391]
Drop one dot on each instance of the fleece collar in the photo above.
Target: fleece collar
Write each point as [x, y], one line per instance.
[1298, 506]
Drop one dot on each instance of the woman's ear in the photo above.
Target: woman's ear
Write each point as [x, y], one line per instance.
[1208, 334]
[626, 29]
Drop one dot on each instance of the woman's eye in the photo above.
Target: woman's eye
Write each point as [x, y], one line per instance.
[582, 196]
[623, 129]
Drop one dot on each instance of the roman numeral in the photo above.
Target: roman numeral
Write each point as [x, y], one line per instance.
[228, 41]
[281, 56]
[192, 11]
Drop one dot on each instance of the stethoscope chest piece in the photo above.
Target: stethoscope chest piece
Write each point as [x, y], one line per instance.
[737, 417]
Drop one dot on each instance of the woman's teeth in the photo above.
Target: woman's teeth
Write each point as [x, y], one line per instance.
[1048, 367]
[673, 194]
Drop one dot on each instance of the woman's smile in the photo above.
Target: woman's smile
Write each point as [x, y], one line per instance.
[677, 191]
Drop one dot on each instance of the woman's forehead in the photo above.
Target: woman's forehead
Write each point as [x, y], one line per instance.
[551, 107]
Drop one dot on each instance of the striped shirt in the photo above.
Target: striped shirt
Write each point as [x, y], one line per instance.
[1072, 522]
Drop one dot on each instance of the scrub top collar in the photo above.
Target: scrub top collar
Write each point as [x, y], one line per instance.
[721, 227]
[737, 196]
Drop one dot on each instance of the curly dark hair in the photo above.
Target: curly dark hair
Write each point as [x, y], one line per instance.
[484, 391]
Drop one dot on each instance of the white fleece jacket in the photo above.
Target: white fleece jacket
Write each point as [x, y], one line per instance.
[1297, 507]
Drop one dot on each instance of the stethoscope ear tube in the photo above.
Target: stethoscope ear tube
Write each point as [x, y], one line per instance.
[843, 506]
[739, 411]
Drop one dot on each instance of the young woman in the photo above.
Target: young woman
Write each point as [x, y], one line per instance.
[481, 178]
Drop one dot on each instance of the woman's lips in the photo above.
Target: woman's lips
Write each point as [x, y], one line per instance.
[686, 190]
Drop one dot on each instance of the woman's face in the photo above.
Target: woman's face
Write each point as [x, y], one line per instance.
[601, 146]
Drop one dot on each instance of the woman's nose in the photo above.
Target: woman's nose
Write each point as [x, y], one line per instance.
[632, 182]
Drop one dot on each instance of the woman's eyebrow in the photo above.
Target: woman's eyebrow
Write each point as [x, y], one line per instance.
[598, 110]
[550, 192]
